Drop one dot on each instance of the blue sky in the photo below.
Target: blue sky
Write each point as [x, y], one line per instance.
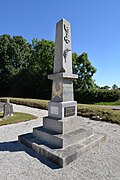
[95, 28]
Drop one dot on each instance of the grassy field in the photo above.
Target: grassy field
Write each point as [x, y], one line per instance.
[101, 113]
[17, 117]
[85, 110]
[116, 103]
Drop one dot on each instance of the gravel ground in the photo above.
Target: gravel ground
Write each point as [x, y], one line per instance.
[18, 162]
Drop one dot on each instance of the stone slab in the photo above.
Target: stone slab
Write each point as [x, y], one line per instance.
[61, 140]
[65, 125]
[62, 75]
[62, 157]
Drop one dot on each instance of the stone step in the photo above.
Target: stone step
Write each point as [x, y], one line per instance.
[61, 140]
[62, 157]
[62, 126]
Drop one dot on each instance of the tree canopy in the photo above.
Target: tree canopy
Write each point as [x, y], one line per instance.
[24, 67]
[14, 57]
[83, 67]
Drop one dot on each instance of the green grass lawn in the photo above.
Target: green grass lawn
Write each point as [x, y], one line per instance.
[17, 117]
[104, 113]
[85, 110]
[116, 103]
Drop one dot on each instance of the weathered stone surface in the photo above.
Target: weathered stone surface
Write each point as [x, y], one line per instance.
[63, 125]
[62, 157]
[61, 140]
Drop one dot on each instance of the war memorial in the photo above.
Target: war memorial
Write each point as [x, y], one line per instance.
[63, 137]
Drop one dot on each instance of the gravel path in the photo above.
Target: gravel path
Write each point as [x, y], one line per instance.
[18, 162]
[112, 107]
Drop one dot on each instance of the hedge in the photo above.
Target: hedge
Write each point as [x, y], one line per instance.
[97, 111]
[97, 96]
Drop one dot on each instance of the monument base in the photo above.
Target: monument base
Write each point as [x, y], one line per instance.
[61, 144]
[62, 110]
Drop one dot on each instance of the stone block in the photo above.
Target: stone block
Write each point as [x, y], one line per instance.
[63, 126]
[57, 110]
[8, 109]
[62, 157]
[61, 140]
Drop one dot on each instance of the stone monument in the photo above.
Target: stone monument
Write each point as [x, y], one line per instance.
[7, 109]
[63, 136]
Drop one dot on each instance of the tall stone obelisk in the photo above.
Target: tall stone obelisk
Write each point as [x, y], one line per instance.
[62, 103]
[64, 135]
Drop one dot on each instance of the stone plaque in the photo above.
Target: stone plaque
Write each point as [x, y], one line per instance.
[54, 110]
[69, 111]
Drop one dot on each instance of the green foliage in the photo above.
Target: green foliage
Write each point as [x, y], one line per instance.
[105, 87]
[40, 66]
[24, 68]
[115, 103]
[83, 67]
[115, 87]
[42, 57]
[97, 96]
[14, 58]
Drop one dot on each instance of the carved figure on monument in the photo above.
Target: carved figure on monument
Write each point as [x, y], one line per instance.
[57, 91]
[66, 53]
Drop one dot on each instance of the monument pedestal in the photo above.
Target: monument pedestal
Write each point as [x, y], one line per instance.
[62, 141]
[63, 136]
[61, 110]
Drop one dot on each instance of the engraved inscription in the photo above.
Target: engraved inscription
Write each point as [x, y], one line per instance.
[69, 111]
[66, 39]
[54, 110]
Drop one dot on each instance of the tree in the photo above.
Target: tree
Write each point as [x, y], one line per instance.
[40, 66]
[83, 67]
[24, 68]
[105, 87]
[14, 57]
[42, 57]
[115, 87]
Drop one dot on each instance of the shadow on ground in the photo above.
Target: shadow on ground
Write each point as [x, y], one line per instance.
[14, 146]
